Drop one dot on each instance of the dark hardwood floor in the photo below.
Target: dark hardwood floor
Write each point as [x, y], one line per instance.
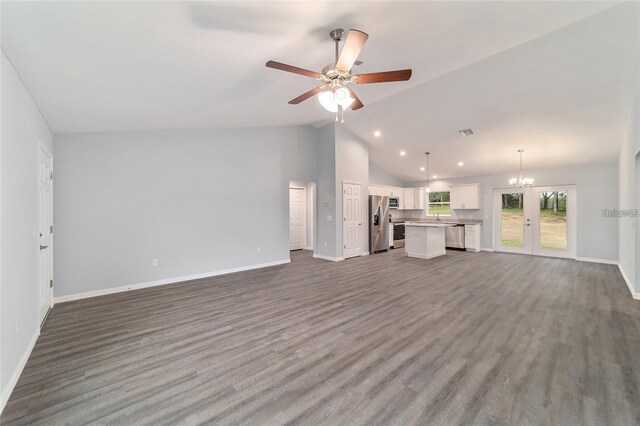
[468, 338]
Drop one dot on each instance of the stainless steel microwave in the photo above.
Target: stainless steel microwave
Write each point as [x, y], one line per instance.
[394, 202]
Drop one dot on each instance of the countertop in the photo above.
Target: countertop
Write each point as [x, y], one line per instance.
[429, 224]
[448, 221]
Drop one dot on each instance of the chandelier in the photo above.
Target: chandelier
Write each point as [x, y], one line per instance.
[521, 181]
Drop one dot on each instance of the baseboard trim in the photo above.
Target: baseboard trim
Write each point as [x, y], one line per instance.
[332, 259]
[626, 280]
[427, 256]
[78, 296]
[16, 374]
[486, 249]
[594, 260]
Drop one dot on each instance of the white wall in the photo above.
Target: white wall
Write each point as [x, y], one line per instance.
[628, 238]
[198, 201]
[596, 188]
[22, 127]
[352, 164]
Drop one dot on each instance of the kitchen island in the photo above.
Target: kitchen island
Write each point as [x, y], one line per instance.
[425, 240]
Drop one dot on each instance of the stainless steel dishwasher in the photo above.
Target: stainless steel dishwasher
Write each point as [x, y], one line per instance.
[454, 237]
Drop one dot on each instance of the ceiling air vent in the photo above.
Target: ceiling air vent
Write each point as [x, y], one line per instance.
[465, 132]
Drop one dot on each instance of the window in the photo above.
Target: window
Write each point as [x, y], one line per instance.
[439, 204]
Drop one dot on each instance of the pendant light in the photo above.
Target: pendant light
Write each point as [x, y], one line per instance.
[428, 171]
[521, 181]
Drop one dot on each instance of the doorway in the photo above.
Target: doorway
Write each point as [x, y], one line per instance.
[297, 218]
[45, 224]
[537, 220]
[352, 223]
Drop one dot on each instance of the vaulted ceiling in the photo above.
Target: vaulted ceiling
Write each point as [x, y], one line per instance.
[552, 77]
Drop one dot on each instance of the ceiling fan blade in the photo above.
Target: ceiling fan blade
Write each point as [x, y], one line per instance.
[351, 49]
[383, 77]
[291, 68]
[307, 95]
[357, 103]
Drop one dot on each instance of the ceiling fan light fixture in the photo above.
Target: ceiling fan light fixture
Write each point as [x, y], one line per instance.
[328, 101]
[343, 97]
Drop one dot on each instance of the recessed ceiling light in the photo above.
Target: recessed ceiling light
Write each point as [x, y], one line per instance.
[460, 163]
[422, 169]
[403, 153]
[435, 176]
[466, 132]
[377, 133]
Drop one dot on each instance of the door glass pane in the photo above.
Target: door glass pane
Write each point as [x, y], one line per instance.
[553, 220]
[512, 220]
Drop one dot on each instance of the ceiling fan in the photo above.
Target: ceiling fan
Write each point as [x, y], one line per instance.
[334, 93]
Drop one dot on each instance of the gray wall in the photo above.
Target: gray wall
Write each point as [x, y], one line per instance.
[22, 127]
[326, 241]
[379, 176]
[198, 201]
[352, 164]
[628, 238]
[596, 188]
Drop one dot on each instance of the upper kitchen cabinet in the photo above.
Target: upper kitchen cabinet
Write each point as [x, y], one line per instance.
[413, 199]
[465, 197]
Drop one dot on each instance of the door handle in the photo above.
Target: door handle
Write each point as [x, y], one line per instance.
[43, 247]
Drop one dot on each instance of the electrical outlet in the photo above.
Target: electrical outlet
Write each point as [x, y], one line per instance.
[329, 218]
[258, 250]
[18, 328]
[154, 262]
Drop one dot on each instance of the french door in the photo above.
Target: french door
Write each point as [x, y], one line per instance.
[538, 220]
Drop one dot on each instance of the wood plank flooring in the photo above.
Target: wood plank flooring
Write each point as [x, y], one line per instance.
[468, 338]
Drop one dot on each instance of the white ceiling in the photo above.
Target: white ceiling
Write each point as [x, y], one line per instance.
[549, 76]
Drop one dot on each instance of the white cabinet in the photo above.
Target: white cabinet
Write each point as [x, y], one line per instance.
[395, 192]
[408, 199]
[419, 198]
[375, 190]
[387, 191]
[414, 199]
[465, 196]
[472, 237]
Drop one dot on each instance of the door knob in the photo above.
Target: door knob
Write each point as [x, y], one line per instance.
[43, 247]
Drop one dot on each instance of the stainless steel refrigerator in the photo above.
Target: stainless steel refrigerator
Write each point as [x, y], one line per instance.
[378, 223]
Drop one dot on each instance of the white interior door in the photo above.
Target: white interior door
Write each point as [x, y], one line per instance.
[45, 204]
[297, 218]
[352, 219]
